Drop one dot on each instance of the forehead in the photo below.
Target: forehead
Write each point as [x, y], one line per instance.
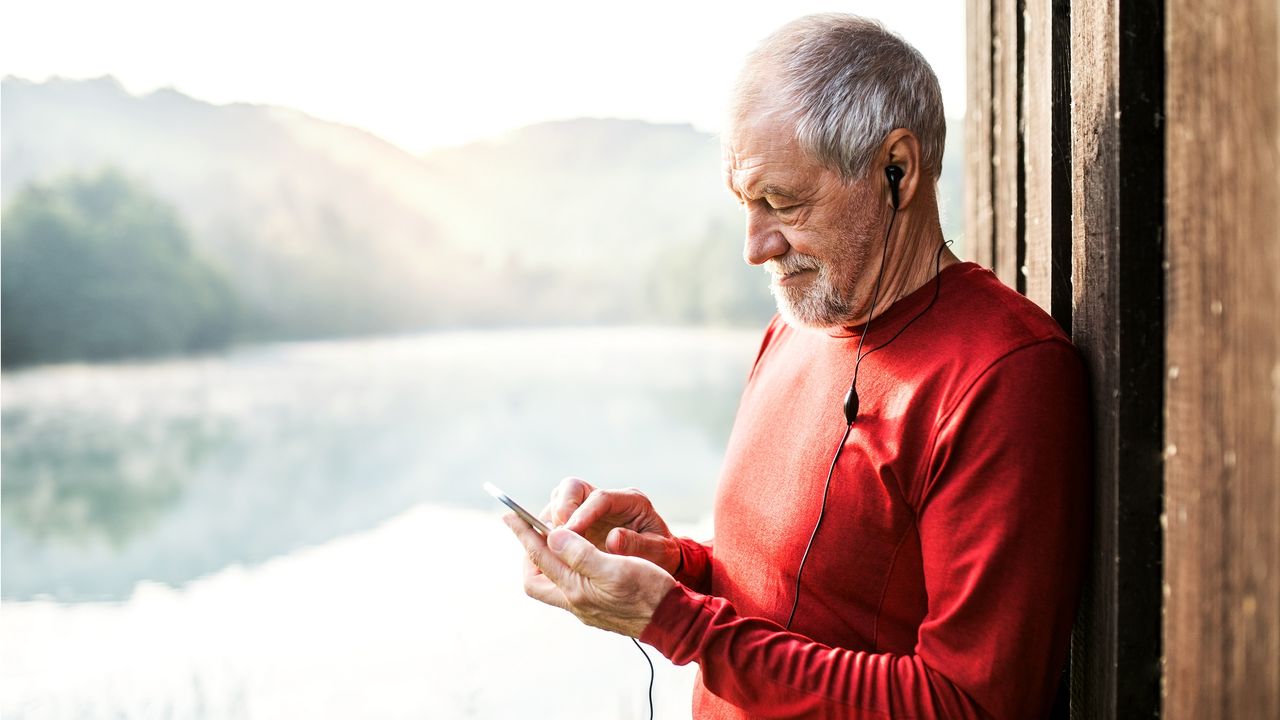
[765, 154]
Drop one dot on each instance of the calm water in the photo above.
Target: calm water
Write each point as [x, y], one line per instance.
[299, 531]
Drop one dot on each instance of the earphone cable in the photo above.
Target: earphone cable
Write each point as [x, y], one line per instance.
[937, 286]
[826, 487]
[651, 673]
[875, 295]
[866, 330]
[795, 602]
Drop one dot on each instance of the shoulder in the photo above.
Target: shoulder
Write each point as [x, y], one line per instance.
[1005, 318]
[987, 333]
[982, 321]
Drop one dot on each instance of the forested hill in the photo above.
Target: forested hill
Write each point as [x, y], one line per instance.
[324, 229]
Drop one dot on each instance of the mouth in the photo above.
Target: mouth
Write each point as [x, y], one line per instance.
[793, 277]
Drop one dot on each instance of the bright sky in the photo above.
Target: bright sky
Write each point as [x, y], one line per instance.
[428, 73]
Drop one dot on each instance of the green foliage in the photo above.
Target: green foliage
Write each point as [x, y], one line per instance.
[97, 268]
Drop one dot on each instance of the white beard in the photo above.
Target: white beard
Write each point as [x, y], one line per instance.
[817, 305]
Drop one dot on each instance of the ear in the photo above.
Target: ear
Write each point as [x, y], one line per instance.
[902, 148]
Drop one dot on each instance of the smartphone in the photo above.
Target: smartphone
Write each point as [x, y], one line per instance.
[525, 515]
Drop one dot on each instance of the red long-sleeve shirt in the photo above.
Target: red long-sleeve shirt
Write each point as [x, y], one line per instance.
[944, 579]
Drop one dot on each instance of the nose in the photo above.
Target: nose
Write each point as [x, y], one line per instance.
[764, 237]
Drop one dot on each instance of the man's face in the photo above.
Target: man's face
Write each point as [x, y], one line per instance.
[813, 232]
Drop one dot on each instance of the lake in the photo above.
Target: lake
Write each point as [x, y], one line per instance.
[298, 530]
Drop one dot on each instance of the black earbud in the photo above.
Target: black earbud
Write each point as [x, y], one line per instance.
[851, 405]
[894, 174]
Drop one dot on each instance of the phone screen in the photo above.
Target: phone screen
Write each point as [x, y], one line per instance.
[525, 515]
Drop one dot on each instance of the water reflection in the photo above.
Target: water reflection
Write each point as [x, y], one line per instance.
[169, 471]
[83, 482]
[421, 617]
[299, 531]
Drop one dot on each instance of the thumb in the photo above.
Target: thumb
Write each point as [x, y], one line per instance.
[580, 555]
[622, 541]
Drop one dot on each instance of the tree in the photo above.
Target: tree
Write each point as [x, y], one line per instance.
[98, 268]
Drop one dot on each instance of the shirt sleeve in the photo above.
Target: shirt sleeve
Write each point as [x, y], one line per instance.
[695, 565]
[1003, 533]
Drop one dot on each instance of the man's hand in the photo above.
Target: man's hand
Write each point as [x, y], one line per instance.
[622, 522]
[611, 592]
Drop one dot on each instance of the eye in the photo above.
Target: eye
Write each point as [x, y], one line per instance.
[780, 207]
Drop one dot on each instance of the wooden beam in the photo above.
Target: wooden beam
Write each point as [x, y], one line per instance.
[1061, 167]
[1006, 158]
[1046, 161]
[1117, 181]
[1046, 156]
[979, 212]
[1222, 546]
[1037, 156]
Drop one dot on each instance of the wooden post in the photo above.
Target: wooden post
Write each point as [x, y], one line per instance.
[1117, 159]
[1006, 159]
[1046, 161]
[1222, 546]
[979, 128]
[1037, 156]
[1046, 156]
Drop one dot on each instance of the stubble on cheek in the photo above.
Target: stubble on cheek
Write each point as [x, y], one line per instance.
[847, 255]
[831, 297]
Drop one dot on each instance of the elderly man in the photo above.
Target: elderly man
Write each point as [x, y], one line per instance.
[902, 516]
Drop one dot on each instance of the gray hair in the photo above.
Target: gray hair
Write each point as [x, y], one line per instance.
[845, 83]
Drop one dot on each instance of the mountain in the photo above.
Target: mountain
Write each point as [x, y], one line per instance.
[308, 234]
[326, 229]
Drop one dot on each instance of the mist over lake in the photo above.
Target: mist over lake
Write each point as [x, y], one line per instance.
[271, 490]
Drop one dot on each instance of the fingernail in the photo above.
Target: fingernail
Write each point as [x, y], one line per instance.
[558, 540]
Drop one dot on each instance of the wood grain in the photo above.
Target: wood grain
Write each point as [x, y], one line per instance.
[1038, 146]
[1117, 187]
[979, 213]
[1222, 621]
[1006, 158]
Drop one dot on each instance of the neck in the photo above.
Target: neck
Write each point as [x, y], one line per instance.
[912, 258]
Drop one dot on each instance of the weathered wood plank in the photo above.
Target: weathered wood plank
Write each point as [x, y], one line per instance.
[1037, 156]
[1117, 321]
[978, 136]
[1046, 154]
[1060, 169]
[1093, 52]
[1222, 623]
[1006, 158]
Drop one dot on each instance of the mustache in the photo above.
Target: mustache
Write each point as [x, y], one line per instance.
[790, 264]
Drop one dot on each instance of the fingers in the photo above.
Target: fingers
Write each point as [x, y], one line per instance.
[622, 541]
[660, 551]
[624, 505]
[579, 555]
[568, 495]
[541, 563]
[561, 556]
[606, 591]
[540, 587]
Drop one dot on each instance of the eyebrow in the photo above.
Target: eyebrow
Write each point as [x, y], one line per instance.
[777, 190]
[770, 189]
